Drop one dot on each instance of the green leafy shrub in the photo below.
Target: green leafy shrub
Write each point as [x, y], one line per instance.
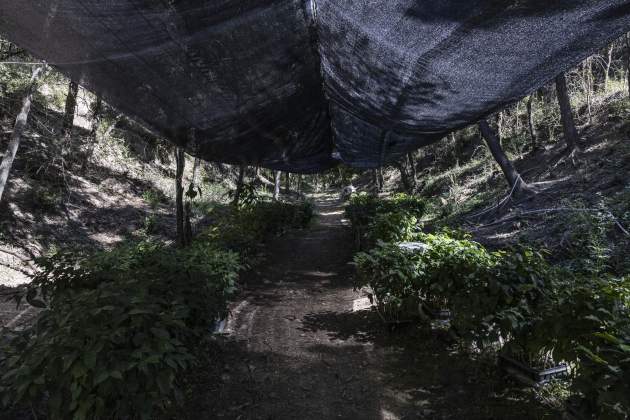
[393, 275]
[544, 314]
[409, 203]
[150, 224]
[392, 219]
[103, 353]
[153, 197]
[118, 330]
[603, 377]
[398, 226]
[589, 325]
[242, 229]
[274, 217]
[492, 295]
[247, 195]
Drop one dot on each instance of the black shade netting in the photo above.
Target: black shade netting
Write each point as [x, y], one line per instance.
[286, 84]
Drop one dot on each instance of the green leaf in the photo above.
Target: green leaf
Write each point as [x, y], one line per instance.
[116, 374]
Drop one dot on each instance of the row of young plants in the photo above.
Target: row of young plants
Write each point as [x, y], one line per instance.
[389, 220]
[119, 329]
[512, 300]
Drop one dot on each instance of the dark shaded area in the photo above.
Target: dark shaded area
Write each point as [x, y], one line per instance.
[282, 84]
[295, 350]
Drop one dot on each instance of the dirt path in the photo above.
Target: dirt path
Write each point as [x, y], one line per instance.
[297, 350]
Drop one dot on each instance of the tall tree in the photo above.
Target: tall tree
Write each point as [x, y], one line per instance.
[566, 114]
[191, 193]
[18, 128]
[517, 184]
[587, 80]
[407, 175]
[500, 127]
[97, 109]
[287, 183]
[458, 150]
[609, 59]
[530, 122]
[71, 104]
[414, 170]
[404, 176]
[180, 162]
[239, 185]
[276, 188]
[381, 179]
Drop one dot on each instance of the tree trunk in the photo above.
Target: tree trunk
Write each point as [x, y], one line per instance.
[404, 178]
[192, 192]
[530, 122]
[18, 128]
[566, 115]
[180, 162]
[414, 171]
[457, 148]
[287, 183]
[96, 122]
[517, 184]
[239, 185]
[96, 117]
[627, 60]
[381, 179]
[71, 104]
[608, 64]
[517, 120]
[500, 127]
[375, 178]
[276, 188]
[588, 86]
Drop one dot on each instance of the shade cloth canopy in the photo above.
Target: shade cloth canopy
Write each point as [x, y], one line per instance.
[288, 84]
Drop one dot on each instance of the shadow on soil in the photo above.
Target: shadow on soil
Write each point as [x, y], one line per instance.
[299, 352]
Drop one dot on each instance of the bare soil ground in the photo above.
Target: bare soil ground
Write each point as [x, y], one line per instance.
[295, 349]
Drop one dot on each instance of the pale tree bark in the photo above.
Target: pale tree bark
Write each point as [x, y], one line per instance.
[276, 187]
[180, 162]
[517, 120]
[18, 128]
[627, 60]
[588, 86]
[566, 114]
[530, 122]
[500, 127]
[608, 65]
[517, 184]
[71, 104]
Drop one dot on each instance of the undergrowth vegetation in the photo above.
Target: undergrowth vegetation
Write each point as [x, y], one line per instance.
[512, 301]
[392, 219]
[119, 328]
